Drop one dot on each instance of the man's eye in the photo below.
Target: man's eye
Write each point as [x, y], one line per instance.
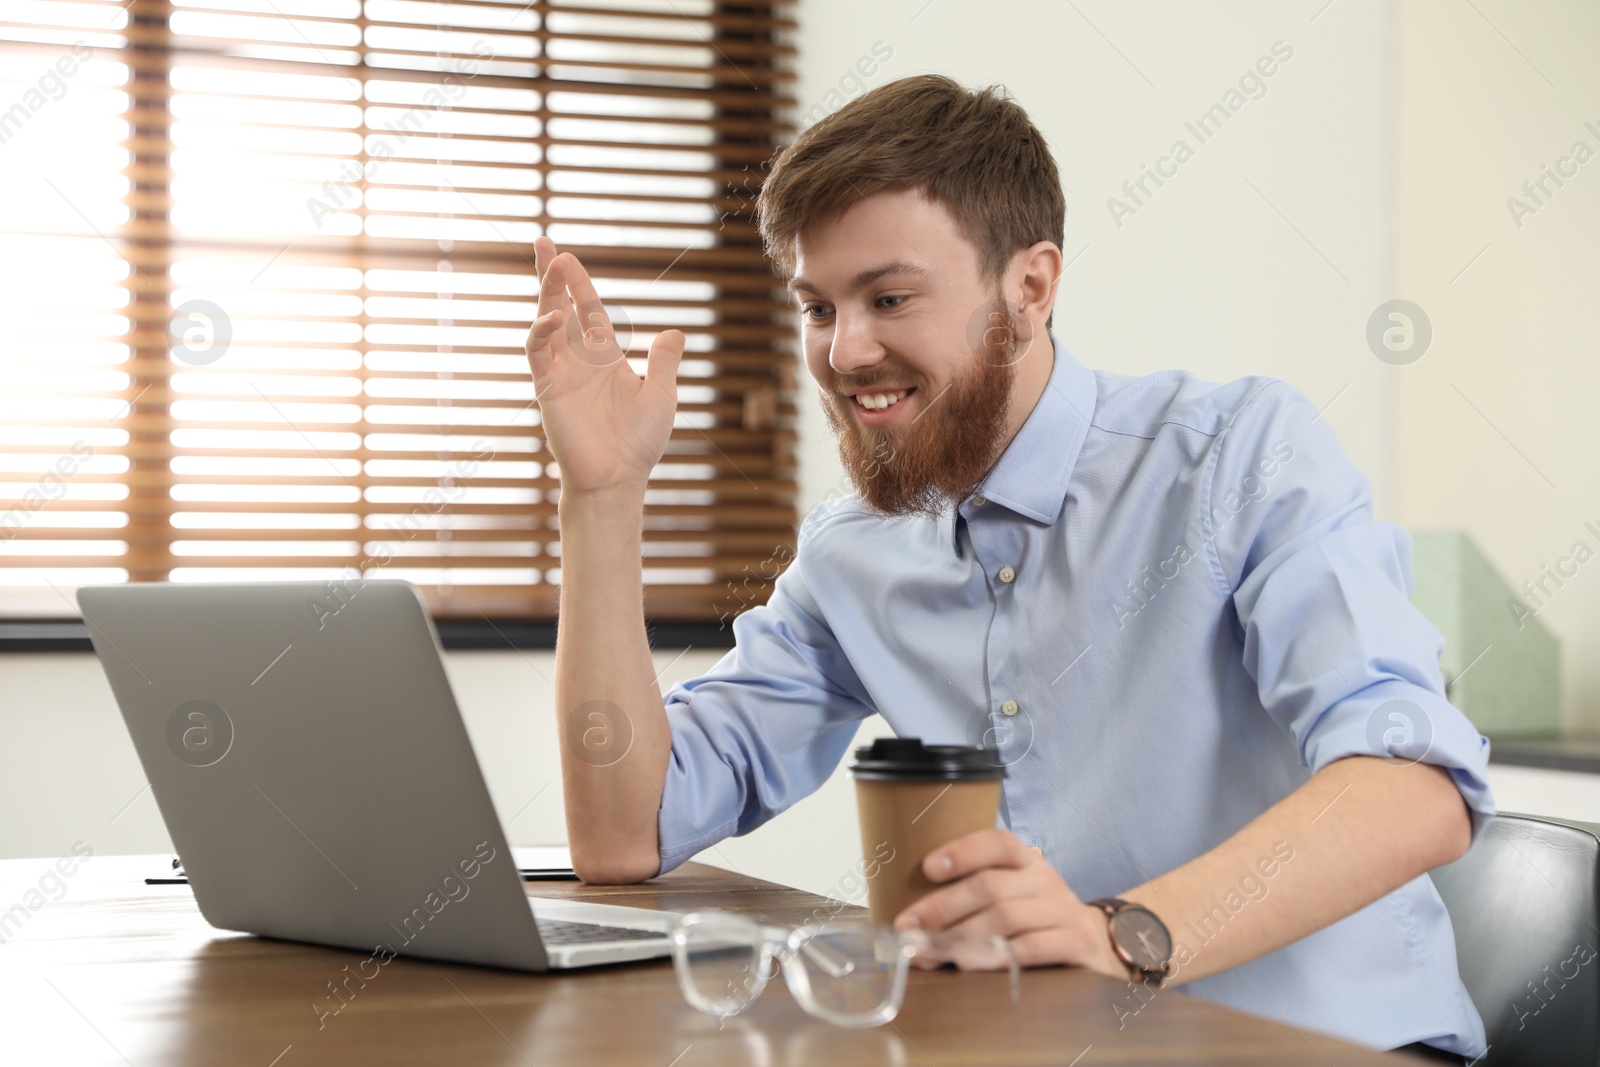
[815, 312]
[890, 302]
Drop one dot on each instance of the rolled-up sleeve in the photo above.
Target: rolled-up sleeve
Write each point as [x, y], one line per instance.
[762, 729]
[1340, 657]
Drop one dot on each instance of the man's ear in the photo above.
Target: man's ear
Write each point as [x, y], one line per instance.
[1032, 280]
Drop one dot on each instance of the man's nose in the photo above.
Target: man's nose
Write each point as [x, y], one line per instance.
[855, 346]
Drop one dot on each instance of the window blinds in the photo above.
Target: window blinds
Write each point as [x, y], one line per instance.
[268, 271]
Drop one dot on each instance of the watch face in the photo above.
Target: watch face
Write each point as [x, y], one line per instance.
[1144, 937]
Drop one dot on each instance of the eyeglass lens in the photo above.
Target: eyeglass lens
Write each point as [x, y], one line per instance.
[722, 966]
[847, 973]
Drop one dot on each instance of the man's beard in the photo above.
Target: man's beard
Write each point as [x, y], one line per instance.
[941, 455]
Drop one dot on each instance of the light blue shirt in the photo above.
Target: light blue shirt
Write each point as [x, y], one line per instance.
[1178, 592]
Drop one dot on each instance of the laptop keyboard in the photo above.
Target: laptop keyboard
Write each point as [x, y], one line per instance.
[557, 932]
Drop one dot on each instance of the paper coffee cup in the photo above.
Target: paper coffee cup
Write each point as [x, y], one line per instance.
[912, 799]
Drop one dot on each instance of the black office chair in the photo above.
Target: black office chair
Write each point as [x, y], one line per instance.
[1526, 913]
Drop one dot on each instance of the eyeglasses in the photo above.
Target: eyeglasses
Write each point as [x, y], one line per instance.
[846, 972]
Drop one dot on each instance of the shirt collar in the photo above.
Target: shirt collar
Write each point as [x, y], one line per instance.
[1031, 475]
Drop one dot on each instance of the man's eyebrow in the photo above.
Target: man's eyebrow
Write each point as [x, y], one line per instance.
[865, 278]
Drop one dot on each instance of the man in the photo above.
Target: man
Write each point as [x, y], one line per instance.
[1165, 600]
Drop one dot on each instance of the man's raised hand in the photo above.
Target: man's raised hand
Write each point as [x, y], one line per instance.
[606, 426]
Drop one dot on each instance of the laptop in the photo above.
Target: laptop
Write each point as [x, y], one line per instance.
[310, 762]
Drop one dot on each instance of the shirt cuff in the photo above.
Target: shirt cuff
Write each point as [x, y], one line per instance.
[1403, 721]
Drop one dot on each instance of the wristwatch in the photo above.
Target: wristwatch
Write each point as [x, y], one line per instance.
[1139, 939]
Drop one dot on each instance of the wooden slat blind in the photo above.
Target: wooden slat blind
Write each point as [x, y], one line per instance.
[267, 274]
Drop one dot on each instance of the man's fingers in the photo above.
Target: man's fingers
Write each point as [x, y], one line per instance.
[552, 292]
[593, 322]
[974, 852]
[565, 267]
[553, 288]
[1010, 918]
[541, 352]
[1043, 947]
[661, 366]
[956, 903]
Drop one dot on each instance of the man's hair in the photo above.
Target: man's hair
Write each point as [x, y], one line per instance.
[973, 151]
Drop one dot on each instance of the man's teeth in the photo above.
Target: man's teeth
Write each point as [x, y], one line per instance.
[878, 401]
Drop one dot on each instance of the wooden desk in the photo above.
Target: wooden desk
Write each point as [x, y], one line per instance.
[122, 974]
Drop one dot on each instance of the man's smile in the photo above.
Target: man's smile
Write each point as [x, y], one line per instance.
[879, 407]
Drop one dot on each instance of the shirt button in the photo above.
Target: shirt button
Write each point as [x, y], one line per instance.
[1037, 850]
[978, 501]
[1010, 707]
[1007, 575]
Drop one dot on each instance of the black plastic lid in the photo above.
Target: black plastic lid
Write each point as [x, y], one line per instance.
[908, 759]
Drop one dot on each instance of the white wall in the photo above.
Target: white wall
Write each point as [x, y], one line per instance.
[1563, 794]
[1496, 430]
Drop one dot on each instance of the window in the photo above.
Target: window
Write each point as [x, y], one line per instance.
[267, 273]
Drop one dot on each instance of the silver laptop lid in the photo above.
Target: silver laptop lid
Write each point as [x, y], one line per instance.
[308, 757]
